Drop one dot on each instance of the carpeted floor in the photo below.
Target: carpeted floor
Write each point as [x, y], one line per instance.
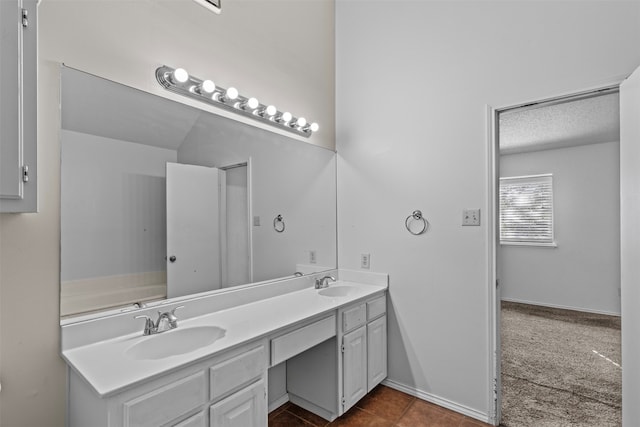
[560, 368]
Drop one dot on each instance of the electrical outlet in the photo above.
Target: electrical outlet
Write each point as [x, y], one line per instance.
[312, 257]
[365, 261]
[471, 217]
[256, 221]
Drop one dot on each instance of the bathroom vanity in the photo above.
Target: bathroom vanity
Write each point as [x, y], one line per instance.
[212, 369]
[254, 332]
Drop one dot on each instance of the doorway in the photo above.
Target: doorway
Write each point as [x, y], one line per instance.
[556, 234]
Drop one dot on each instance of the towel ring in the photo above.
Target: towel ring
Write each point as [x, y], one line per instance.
[278, 223]
[417, 216]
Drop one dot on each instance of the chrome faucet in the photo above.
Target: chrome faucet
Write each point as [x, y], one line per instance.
[324, 282]
[166, 321]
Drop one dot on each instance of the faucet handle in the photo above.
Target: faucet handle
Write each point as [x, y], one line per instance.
[173, 320]
[148, 324]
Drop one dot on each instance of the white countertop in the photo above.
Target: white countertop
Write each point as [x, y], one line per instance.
[108, 369]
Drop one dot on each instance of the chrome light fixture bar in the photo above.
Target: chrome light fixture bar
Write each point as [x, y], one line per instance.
[177, 80]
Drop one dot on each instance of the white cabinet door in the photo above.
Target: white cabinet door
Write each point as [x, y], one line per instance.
[354, 367]
[376, 352]
[246, 408]
[18, 94]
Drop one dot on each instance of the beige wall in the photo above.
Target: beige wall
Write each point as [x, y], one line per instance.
[281, 51]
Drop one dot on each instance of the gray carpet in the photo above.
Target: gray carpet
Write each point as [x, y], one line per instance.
[560, 368]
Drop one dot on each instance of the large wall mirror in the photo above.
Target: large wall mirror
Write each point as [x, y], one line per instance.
[162, 200]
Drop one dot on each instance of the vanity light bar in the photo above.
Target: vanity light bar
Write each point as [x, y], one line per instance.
[179, 81]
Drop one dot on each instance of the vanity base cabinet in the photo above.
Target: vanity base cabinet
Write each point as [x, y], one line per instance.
[364, 357]
[225, 390]
[246, 408]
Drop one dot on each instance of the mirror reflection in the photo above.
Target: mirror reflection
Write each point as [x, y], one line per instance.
[159, 199]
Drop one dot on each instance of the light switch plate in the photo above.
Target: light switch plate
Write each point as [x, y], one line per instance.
[471, 217]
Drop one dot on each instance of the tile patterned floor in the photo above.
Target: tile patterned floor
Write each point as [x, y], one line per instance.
[383, 407]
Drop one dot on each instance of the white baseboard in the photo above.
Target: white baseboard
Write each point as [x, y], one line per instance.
[278, 402]
[563, 307]
[445, 403]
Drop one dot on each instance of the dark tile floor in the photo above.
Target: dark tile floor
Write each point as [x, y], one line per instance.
[383, 407]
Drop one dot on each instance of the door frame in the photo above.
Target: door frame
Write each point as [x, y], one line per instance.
[491, 207]
[247, 164]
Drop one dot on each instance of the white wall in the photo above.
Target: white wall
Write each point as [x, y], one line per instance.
[413, 82]
[286, 57]
[114, 197]
[297, 181]
[583, 271]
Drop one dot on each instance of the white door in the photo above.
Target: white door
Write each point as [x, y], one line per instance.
[630, 245]
[376, 352]
[246, 408]
[193, 229]
[354, 367]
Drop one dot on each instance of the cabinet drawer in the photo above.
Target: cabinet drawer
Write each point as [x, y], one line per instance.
[166, 403]
[376, 307]
[353, 317]
[288, 345]
[237, 372]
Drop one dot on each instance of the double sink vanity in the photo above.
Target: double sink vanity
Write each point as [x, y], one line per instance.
[219, 230]
[212, 368]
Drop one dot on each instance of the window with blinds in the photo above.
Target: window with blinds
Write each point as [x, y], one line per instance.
[526, 210]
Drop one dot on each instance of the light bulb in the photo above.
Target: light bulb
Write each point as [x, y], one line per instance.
[252, 103]
[231, 93]
[286, 117]
[301, 121]
[314, 127]
[207, 86]
[180, 75]
[271, 110]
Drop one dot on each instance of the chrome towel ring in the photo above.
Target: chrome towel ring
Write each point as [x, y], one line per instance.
[278, 223]
[416, 216]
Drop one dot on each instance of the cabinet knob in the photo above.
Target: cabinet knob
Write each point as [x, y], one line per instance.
[172, 258]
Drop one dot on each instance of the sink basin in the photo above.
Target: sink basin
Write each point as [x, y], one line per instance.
[337, 291]
[175, 342]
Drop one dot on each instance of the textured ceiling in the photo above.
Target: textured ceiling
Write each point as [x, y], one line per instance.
[578, 122]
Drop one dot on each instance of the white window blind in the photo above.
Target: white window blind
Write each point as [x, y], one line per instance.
[526, 209]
